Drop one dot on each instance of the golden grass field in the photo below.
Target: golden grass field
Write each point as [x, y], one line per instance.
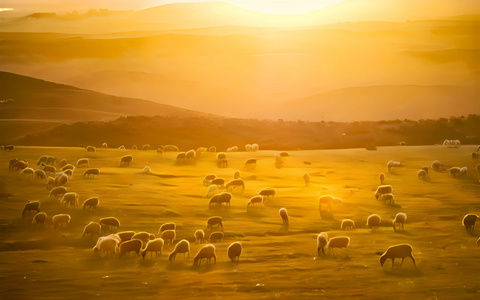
[45, 263]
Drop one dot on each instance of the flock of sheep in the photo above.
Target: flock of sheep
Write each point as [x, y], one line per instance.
[56, 175]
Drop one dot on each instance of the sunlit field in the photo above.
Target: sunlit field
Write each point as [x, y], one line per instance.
[275, 262]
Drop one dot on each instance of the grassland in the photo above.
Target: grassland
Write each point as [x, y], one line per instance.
[44, 263]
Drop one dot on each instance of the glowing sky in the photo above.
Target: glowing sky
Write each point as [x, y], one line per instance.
[265, 6]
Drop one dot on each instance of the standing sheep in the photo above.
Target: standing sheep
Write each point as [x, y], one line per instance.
[181, 247]
[143, 236]
[469, 222]
[338, 242]
[234, 251]
[126, 160]
[90, 149]
[393, 164]
[58, 191]
[61, 221]
[31, 206]
[104, 145]
[236, 175]
[400, 219]
[398, 251]
[92, 229]
[373, 222]
[199, 236]
[207, 252]
[328, 201]
[284, 215]
[322, 241]
[50, 183]
[154, 246]
[255, 147]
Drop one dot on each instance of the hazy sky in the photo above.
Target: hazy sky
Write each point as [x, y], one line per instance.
[22, 7]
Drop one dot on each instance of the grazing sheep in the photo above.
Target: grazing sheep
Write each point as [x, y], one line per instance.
[322, 241]
[171, 148]
[437, 166]
[199, 236]
[328, 201]
[212, 190]
[454, 171]
[373, 222]
[90, 149]
[347, 224]
[19, 165]
[46, 159]
[146, 147]
[180, 158]
[58, 191]
[232, 149]
[425, 169]
[236, 175]
[12, 162]
[383, 189]
[27, 172]
[382, 178]
[235, 185]
[234, 251]
[166, 226]
[9, 148]
[400, 219]
[69, 173]
[255, 147]
[284, 215]
[208, 179]
[125, 235]
[153, 246]
[68, 167]
[421, 174]
[40, 174]
[106, 245]
[181, 247]
[251, 163]
[104, 145]
[402, 144]
[212, 149]
[83, 162]
[248, 148]
[398, 251]
[214, 222]
[61, 179]
[255, 201]
[126, 160]
[190, 156]
[207, 252]
[199, 151]
[338, 242]
[216, 236]
[160, 150]
[219, 182]
[134, 147]
[393, 164]
[91, 173]
[122, 147]
[268, 193]
[92, 229]
[143, 236]
[61, 221]
[61, 164]
[70, 199]
[91, 203]
[469, 222]
[168, 235]
[39, 218]
[31, 206]
[50, 183]
[111, 222]
[147, 169]
[475, 155]
[387, 197]
[222, 163]
[306, 178]
[129, 246]
[463, 171]
[214, 201]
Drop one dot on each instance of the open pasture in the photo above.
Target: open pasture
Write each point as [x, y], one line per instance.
[275, 263]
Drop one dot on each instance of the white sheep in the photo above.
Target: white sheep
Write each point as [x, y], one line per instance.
[27, 172]
[387, 197]
[393, 164]
[437, 166]
[454, 171]
[255, 201]
[400, 219]
[147, 169]
[284, 215]
[421, 174]
[92, 229]
[70, 199]
[234, 251]
[398, 251]
[463, 171]
[181, 247]
[338, 242]
[91, 173]
[373, 222]
[61, 179]
[129, 246]
[328, 200]
[199, 236]
[235, 185]
[90, 149]
[143, 236]
[104, 145]
[40, 174]
[168, 236]
[383, 189]
[347, 224]
[248, 148]
[268, 193]
[153, 246]
[106, 245]
[207, 180]
[251, 163]
[236, 175]
[255, 147]
[212, 190]
[322, 241]
[61, 221]
[40, 218]
[50, 183]
[207, 252]
[469, 222]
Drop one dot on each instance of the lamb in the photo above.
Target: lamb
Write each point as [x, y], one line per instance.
[383, 189]
[232, 149]
[40, 218]
[199, 236]
[393, 164]
[255, 147]
[90, 149]
[27, 171]
[234, 251]
[214, 222]
[31, 206]
[255, 201]
[61, 221]
[126, 160]
[111, 222]
[143, 236]
[91, 203]
[397, 251]
[40, 174]
[207, 252]
[347, 224]
[208, 179]
[92, 229]
[469, 222]
[154, 246]
[91, 173]
[268, 193]
[437, 166]
[168, 235]
[125, 235]
[235, 185]
[421, 174]
[216, 236]
[166, 226]
[387, 197]
[129, 246]
[400, 219]
[322, 241]
[284, 215]
[70, 199]
[61, 179]
[181, 247]
[373, 222]
[250, 163]
[306, 178]
[236, 175]
[106, 245]
[58, 191]
[339, 242]
[83, 162]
